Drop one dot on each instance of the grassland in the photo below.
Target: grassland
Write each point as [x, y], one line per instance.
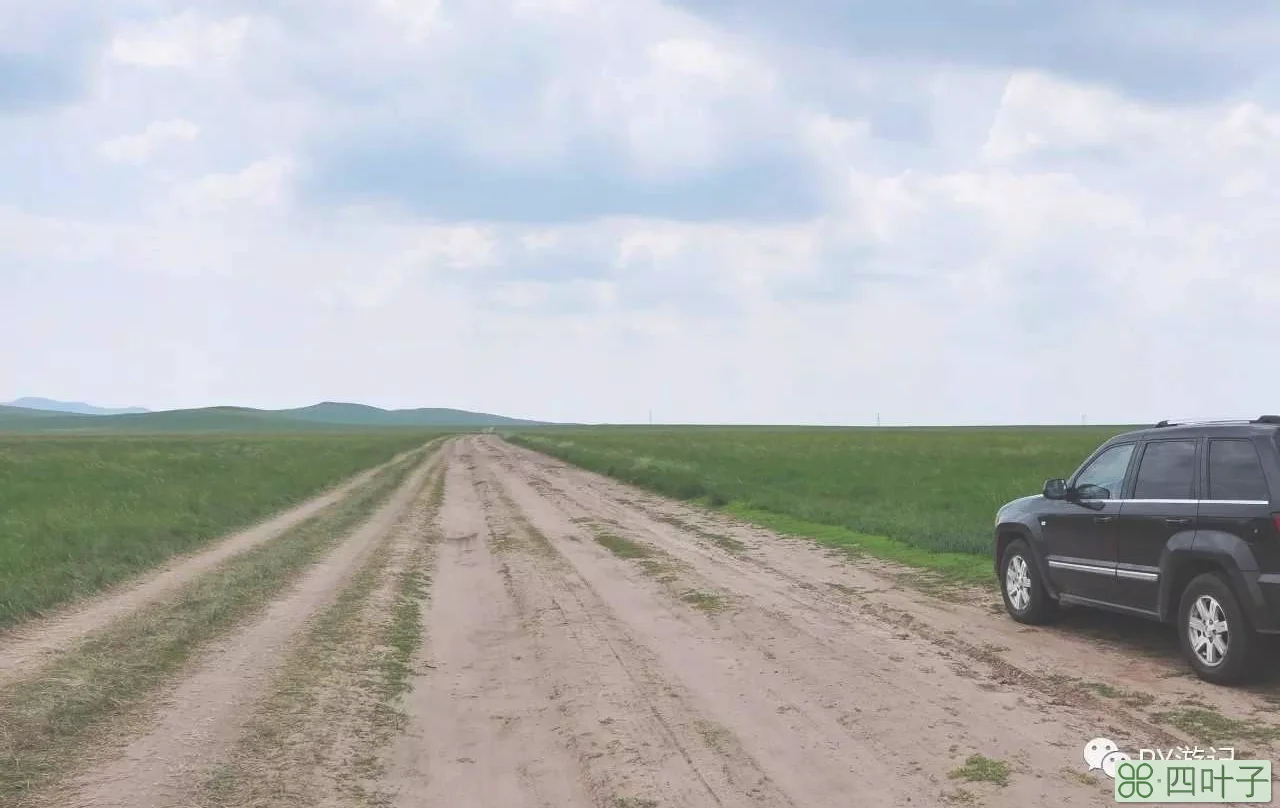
[81, 513]
[925, 496]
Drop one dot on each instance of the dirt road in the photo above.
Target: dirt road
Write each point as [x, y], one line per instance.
[509, 631]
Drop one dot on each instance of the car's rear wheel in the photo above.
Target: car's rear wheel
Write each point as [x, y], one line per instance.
[1216, 638]
[1025, 597]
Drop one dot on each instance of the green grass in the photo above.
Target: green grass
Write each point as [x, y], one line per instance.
[81, 513]
[705, 601]
[1130, 698]
[933, 490]
[981, 769]
[621, 546]
[963, 567]
[1211, 726]
[48, 722]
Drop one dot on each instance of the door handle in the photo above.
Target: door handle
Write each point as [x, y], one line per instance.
[1104, 518]
[1172, 520]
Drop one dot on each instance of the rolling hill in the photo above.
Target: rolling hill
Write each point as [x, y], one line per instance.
[327, 415]
[363, 415]
[71, 407]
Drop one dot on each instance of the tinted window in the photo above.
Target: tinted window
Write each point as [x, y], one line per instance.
[1235, 471]
[1104, 477]
[1167, 471]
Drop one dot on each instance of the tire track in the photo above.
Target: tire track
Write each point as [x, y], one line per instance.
[536, 695]
[480, 730]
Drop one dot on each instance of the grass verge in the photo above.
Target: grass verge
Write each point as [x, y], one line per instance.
[691, 467]
[933, 488]
[49, 722]
[962, 568]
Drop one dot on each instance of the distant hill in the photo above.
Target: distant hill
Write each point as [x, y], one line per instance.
[331, 412]
[8, 411]
[328, 415]
[73, 407]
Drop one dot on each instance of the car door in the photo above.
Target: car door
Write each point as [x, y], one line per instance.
[1236, 500]
[1163, 504]
[1079, 544]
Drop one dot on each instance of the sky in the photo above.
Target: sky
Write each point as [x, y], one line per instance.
[814, 212]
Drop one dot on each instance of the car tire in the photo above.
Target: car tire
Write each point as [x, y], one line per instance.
[1222, 649]
[1025, 597]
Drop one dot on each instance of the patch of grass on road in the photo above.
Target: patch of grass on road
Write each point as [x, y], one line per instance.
[726, 543]
[80, 513]
[1129, 698]
[621, 546]
[316, 734]
[1210, 726]
[919, 496]
[982, 769]
[708, 602]
[47, 722]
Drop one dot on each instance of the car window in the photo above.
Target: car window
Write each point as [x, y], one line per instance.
[1167, 471]
[1104, 477]
[1235, 472]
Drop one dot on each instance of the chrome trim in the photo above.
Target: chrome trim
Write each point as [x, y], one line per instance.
[1234, 501]
[1136, 575]
[1070, 565]
[1185, 501]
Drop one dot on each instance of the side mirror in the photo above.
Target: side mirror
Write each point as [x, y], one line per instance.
[1055, 489]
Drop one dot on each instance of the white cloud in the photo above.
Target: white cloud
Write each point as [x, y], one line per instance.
[417, 17]
[1039, 112]
[262, 184]
[140, 147]
[704, 60]
[186, 40]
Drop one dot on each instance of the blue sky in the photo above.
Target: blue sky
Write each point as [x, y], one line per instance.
[746, 212]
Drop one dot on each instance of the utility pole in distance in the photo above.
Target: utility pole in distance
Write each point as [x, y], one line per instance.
[877, 419]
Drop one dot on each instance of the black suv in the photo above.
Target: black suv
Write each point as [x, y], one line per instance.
[1179, 523]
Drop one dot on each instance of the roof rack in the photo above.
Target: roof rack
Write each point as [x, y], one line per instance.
[1261, 419]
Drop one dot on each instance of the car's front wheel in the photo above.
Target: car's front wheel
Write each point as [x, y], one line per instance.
[1216, 639]
[1025, 597]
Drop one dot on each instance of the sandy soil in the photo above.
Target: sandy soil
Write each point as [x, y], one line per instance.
[25, 648]
[589, 645]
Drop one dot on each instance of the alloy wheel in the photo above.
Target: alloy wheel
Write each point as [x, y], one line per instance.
[1017, 583]
[1207, 628]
